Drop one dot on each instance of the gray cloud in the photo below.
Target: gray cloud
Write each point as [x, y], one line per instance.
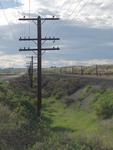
[78, 41]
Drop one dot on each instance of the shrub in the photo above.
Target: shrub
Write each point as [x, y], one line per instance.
[104, 109]
[104, 105]
[59, 86]
[27, 114]
[59, 93]
[88, 88]
[64, 142]
[68, 100]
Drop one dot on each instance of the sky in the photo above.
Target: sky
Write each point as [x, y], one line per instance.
[85, 30]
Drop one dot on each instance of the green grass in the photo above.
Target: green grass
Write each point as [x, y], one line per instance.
[61, 123]
[77, 122]
[71, 118]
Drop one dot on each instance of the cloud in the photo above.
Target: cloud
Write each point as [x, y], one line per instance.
[85, 29]
[89, 12]
[7, 61]
[77, 42]
[93, 13]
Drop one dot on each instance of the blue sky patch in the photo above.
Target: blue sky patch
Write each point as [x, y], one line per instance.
[9, 4]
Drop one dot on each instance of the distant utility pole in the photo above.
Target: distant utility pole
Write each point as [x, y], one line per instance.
[97, 70]
[30, 72]
[82, 70]
[39, 50]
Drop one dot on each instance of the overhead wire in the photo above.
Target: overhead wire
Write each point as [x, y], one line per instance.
[81, 9]
[20, 10]
[4, 13]
[7, 20]
[68, 10]
[21, 13]
[30, 26]
[44, 21]
[77, 13]
[80, 6]
[29, 22]
[76, 6]
[70, 6]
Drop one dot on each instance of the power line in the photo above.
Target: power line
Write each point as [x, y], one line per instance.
[69, 10]
[75, 8]
[83, 6]
[70, 6]
[80, 10]
[29, 17]
[6, 18]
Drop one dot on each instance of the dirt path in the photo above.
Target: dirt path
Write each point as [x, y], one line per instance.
[10, 77]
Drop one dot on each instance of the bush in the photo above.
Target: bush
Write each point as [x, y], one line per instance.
[64, 142]
[68, 100]
[104, 105]
[59, 93]
[27, 114]
[59, 86]
[104, 109]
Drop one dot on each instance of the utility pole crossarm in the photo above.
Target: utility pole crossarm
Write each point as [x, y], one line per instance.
[50, 49]
[28, 49]
[50, 18]
[35, 19]
[35, 49]
[35, 39]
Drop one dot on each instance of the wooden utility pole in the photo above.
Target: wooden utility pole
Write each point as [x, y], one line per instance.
[30, 72]
[31, 65]
[97, 70]
[39, 71]
[82, 71]
[39, 50]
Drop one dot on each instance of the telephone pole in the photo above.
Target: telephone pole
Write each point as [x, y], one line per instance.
[97, 70]
[82, 70]
[30, 72]
[39, 50]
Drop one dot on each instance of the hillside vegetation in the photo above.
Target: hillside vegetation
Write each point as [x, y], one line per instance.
[75, 116]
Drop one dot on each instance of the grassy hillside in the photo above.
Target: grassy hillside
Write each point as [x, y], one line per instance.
[75, 116]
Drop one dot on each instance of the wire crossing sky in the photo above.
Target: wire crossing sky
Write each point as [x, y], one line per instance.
[85, 29]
